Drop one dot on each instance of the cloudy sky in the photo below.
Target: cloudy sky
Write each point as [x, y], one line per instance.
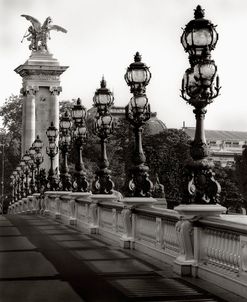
[103, 37]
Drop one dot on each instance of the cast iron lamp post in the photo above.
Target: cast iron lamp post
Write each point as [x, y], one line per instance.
[103, 100]
[26, 157]
[65, 141]
[15, 174]
[80, 183]
[200, 86]
[137, 113]
[52, 151]
[22, 176]
[38, 159]
[19, 185]
[31, 164]
[12, 183]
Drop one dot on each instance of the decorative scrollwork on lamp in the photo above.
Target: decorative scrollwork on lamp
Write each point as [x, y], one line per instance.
[137, 113]
[80, 183]
[200, 86]
[65, 141]
[52, 151]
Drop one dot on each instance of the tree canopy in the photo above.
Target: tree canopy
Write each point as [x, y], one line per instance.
[166, 154]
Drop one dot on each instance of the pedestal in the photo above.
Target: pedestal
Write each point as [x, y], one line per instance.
[127, 239]
[190, 213]
[40, 88]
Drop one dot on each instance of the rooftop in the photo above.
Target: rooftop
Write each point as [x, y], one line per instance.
[219, 134]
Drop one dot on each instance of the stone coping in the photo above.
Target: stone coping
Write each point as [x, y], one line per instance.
[226, 222]
[102, 198]
[199, 210]
[138, 201]
[158, 212]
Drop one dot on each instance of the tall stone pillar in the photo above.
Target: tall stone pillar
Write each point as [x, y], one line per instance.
[28, 117]
[54, 112]
[23, 122]
[41, 87]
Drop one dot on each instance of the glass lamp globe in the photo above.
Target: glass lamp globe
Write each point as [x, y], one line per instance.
[78, 112]
[52, 132]
[199, 35]
[137, 73]
[138, 104]
[103, 97]
[37, 144]
[65, 122]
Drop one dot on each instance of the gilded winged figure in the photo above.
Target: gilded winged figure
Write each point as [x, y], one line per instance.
[38, 34]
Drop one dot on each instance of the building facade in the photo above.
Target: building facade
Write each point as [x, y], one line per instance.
[223, 145]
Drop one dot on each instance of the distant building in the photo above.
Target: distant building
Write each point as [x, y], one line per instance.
[223, 145]
[152, 127]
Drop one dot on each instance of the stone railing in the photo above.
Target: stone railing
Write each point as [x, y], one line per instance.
[221, 251]
[205, 246]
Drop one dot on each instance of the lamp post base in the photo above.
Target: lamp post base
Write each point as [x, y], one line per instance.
[190, 211]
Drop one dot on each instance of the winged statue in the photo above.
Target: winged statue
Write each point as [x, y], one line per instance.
[38, 34]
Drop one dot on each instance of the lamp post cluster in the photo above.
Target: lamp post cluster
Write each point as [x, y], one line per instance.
[25, 179]
[29, 178]
[200, 86]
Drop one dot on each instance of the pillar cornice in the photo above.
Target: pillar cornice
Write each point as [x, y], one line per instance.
[39, 70]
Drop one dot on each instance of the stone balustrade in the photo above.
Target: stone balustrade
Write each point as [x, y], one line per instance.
[212, 248]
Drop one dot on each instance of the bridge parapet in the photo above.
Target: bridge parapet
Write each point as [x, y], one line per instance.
[217, 245]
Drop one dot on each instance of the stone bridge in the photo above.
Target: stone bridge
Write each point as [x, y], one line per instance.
[82, 247]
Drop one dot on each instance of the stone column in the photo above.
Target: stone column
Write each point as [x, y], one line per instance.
[28, 117]
[23, 122]
[43, 71]
[54, 114]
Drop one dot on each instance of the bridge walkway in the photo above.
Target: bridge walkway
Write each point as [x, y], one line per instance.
[42, 260]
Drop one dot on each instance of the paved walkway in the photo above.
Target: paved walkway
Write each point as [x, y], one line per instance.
[42, 260]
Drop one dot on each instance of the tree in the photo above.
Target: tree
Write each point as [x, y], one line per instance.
[167, 153]
[240, 173]
[11, 113]
[230, 196]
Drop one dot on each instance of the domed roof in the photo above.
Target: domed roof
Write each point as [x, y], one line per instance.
[152, 127]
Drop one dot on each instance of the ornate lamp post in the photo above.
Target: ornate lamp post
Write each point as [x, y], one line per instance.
[200, 86]
[12, 183]
[103, 100]
[137, 113]
[31, 164]
[22, 176]
[26, 157]
[38, 159]
[65, 141]
[19, 185]
[15, 174]
[79, 113]
[52, 151]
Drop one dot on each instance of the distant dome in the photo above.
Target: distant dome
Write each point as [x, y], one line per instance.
[152, 127]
